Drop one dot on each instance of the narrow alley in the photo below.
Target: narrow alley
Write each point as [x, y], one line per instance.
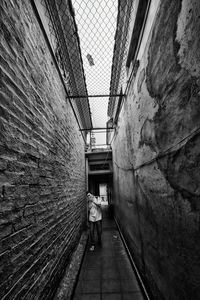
[106, 272]
[99, 115]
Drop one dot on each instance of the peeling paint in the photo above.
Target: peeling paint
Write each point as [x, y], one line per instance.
[147, 135]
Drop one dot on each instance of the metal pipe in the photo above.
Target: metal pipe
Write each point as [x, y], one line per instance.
[93, 96]
[97, 128]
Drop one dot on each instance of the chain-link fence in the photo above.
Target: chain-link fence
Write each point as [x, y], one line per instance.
[118, 77]
[96, 22]
[83, 36]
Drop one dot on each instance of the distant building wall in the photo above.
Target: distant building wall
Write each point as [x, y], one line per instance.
[156, 154]
[42, 165]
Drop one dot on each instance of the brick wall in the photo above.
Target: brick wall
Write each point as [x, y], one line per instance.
[42, 167]
[156, 155]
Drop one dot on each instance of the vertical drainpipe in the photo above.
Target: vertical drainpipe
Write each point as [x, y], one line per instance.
[86, 183]
[90, 140]
[86, 171]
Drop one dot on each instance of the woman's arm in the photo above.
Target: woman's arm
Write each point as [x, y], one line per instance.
[97, 201]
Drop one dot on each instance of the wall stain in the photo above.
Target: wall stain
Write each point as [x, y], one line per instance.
[162, 50]
[147, 135]
[181, 170]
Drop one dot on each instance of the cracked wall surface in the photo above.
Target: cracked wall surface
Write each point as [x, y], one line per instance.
[42, 164]
[156, 154]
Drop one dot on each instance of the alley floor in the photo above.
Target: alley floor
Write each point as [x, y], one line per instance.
[106, 272]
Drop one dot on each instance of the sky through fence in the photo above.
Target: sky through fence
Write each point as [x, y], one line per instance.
[96, 22]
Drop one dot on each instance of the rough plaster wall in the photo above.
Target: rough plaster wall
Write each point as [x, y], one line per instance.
[42, 166]
[157, 202]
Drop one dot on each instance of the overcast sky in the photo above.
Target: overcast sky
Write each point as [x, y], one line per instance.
[96, 22]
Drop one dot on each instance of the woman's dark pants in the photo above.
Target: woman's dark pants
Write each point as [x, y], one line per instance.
[98, 226]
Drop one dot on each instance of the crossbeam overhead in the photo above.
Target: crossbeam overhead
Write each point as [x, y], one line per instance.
[93, 129]
[94, 96]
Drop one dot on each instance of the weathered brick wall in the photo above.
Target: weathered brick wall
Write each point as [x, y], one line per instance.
[42, 167]
[156, 155]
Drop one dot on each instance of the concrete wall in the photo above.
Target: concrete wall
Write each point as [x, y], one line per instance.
[156, 154]
[42, 166]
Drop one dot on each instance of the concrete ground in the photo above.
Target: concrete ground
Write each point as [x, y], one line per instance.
[106, 272]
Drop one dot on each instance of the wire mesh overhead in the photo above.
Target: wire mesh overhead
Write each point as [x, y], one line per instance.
[83, 34]
[96, 22]
[126, 12]
[62, 32]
